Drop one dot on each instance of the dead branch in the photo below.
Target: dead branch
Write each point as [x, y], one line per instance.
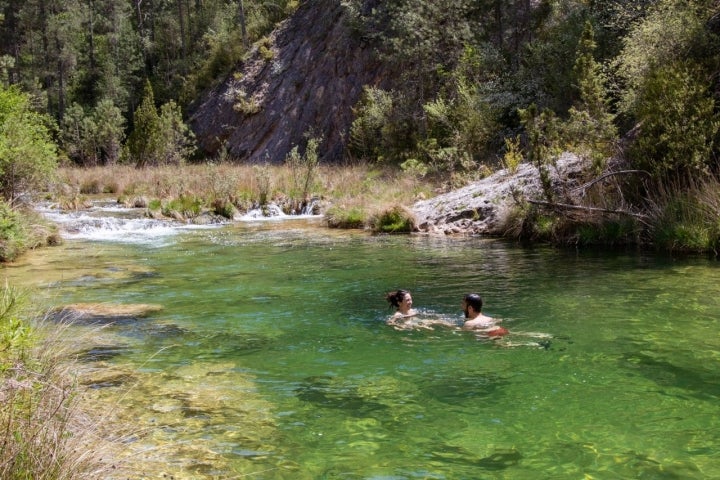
[566, 206]
[610, 174]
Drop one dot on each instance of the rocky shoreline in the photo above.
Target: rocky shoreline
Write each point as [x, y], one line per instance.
[482, 208]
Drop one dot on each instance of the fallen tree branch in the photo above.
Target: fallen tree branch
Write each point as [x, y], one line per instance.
[566, 206]
[610, 174]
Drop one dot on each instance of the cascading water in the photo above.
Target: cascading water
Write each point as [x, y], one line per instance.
[106, 220]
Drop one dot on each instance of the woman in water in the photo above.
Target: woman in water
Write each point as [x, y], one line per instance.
[402, 301]
[406, 317]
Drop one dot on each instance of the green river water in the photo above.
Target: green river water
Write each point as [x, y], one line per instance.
[270, 358]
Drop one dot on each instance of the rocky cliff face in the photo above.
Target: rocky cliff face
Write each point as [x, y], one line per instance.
[307, 85]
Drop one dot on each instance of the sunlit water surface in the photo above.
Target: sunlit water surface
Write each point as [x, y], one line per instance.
[270, 358]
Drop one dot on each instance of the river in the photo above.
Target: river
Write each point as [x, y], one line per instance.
[270, 357]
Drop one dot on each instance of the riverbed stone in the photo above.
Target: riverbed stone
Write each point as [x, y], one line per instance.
[482, 208]
[104, 312]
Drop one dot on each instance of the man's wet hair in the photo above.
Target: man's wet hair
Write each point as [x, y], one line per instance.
[474, 300]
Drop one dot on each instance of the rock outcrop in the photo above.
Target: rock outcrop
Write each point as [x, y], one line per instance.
[481, 208]
[304, 80]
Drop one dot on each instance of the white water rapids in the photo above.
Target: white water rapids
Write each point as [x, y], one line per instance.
[107, 221]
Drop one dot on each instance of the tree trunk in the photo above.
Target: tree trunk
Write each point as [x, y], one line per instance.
[243, 29]
[183, 41]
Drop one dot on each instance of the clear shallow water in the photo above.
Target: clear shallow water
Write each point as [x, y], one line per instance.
[271, 359]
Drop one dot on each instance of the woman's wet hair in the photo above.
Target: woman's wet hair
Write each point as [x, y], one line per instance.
[396, 297]
[474, 300]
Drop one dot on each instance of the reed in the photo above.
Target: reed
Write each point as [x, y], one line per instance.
[686, 217]
[45, 432]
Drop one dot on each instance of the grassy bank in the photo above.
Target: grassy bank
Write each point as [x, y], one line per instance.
[679, 218]
[47, 434]
[350, 196]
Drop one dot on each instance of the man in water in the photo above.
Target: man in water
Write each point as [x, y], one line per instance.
[475, 320]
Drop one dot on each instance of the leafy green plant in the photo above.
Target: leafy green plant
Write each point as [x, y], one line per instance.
[13, 233]
[263, 181]
[543, 131]
[265, 49]
[15, 334]
[369, 129]
[224, 208]
[28, 156]
[513, 154]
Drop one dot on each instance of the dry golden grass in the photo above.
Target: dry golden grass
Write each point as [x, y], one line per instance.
[360, 187]
[47, 431]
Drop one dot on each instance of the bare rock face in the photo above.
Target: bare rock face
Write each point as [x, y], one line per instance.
[481, 208]
[303, 81]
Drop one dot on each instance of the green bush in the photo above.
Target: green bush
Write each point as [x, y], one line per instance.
[396, 219]
[224, 208]
[15, 335]
[679, 125]
[607, 232]
[14, 238]
[28, 156]
[341, 217]
[183, 207]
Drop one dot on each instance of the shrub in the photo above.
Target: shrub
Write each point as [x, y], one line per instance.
[183, 207]
[679, 124]
[13, 234]
[23, 230]
[224, 208]
[342, 217]
[28, 156]
[91, 187]
[303, 169]
[396, 219]
[513, 154]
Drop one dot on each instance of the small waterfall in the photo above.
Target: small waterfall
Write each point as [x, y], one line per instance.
[106, 221]
[272, 211]
[265, 212]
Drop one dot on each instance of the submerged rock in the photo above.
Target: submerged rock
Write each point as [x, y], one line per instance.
[482, 207]
[104, 312]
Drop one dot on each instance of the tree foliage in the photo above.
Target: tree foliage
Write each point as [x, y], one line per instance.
[28, 155]
[679, 123]
[158, 138]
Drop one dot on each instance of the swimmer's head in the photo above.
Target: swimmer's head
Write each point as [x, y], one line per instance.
[397, 297]
[472, 300]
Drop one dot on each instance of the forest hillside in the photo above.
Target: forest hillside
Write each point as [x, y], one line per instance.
[451, 91]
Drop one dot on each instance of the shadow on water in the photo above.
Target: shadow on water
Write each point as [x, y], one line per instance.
[459, 390]
[499, 460]
[232, 345]
[701, 385]
[329, 392]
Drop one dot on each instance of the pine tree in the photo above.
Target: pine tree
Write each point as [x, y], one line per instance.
[143, 142]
